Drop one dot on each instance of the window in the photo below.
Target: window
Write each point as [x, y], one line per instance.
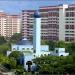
[66, 26]
[67, 14]
[71, 38]
[23, 48]
[71, 14]
[31, 48]
[27, 48]
[14, 49]
[71, 26]
[56, 51]
[66, 38]
[17, 48]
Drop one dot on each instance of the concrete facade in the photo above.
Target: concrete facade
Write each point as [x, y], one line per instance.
[57, 22]
[9, 24]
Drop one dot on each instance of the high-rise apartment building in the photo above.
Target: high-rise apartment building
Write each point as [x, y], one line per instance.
[58, 22]
[27, 23]
[9, 24]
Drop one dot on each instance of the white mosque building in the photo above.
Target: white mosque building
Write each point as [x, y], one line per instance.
[31, 51]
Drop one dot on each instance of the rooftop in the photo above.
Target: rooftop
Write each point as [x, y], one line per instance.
[24, 42]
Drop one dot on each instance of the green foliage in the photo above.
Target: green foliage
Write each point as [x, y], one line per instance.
[47, 64]
[7, 62]
[2, 40]
[3, 59]
[44, 42]
[15, 38]
[20, 70]
[16, 54]
[60, 44]
[51, 44]
[71, 47]
[4, 48]
[55, 65]
[12, 63]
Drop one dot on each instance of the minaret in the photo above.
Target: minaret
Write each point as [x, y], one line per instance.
[37, 33]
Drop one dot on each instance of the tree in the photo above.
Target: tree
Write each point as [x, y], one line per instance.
[20, 70]
[2, 40]
[3, 59]
[55, 64]
[7, 62]
[4, 48]
[60, 44]
[44, 42]
[51, 44]
[18, 56]
[71, 47]
[12, 63]
[16, 37]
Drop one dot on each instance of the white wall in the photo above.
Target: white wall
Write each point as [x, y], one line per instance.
[59, 52]
[62, 22]
[37, 35]
[29, 47]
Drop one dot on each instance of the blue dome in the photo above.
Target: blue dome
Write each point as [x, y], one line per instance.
[24, 42]
[37, 14]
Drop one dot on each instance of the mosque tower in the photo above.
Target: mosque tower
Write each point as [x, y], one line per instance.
[37, 33]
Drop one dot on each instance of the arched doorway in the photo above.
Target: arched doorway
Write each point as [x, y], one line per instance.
[29, 63]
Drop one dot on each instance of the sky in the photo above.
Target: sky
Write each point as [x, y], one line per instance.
[15, 6]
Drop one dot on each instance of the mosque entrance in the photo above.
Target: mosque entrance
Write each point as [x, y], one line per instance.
[29, 63]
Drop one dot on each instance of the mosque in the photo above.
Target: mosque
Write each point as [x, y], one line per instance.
[35, 49]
